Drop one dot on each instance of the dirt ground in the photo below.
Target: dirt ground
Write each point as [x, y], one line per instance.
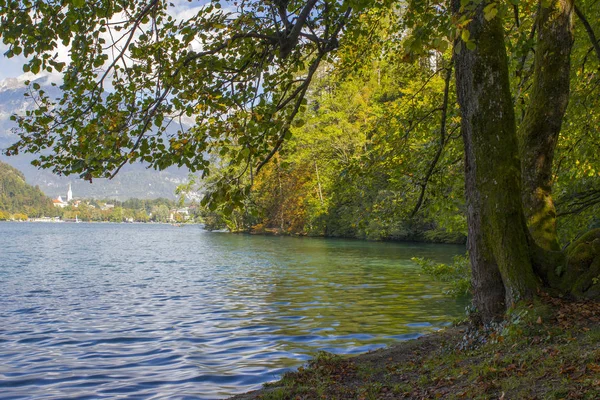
[546, 350]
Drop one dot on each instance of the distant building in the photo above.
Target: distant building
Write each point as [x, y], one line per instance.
[178, 214]
[59, 202]
[184, 211]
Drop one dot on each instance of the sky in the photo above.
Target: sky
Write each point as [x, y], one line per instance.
[13, 67]
[10, 67]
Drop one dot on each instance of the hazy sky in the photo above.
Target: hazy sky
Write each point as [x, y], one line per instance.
[13, 67]
[10, 67]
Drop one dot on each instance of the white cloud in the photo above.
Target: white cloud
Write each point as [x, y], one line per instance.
[182, 14]
[10, 67]
[13, 67]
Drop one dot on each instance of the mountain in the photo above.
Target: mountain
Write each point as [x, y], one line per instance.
[132, 181]
[16, 196]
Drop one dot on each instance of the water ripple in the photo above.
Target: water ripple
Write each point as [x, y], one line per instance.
[151, 311]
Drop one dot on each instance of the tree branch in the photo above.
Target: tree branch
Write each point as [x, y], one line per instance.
[440, 149]
[289, 41]
[589, 31]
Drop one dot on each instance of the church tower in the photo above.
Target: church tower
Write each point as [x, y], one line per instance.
[69, 194]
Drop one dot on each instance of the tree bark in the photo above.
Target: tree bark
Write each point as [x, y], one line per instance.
[541, 126]
[497, 243]
[588, 28]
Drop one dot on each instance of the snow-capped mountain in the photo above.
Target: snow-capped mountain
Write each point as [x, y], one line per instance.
[133, 181]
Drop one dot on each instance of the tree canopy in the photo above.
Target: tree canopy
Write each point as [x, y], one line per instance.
[236, 78]
[17, 197]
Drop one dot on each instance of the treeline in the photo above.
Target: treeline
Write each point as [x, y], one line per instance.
[377, 154]
[18, 200]
[132, 210]
[367, 161]
[354, 170]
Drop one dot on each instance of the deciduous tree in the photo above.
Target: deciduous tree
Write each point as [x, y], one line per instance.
[240, 75]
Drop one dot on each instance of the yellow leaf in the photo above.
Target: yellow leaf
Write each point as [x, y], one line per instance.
[465, 35]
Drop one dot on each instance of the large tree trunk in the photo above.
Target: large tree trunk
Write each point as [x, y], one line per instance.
[498, 246]
[575, 270]
[540, 128]
[510, 259]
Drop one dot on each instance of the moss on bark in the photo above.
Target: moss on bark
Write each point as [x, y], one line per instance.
[538, 133]
[582, 270]
[498, 246]
[511, 217]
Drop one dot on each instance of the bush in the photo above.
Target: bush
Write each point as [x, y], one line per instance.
[19, 217]
[457, 274]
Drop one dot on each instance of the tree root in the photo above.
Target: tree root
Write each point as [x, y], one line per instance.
[581, 276]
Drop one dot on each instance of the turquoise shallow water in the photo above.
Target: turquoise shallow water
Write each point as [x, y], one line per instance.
[156, 311]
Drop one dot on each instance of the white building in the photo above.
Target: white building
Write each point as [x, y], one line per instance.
[59, 202]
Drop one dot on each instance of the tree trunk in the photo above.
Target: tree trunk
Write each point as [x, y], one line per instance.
[281, 198]
[513, 242]
[319, 191]
[540, 128]
[498, 247]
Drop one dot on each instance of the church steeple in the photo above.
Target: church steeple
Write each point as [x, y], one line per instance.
[69, 194]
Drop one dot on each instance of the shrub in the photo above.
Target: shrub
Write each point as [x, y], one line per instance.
[457, 274]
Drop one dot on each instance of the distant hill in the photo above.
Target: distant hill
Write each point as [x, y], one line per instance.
[16, 196]
[134, 181]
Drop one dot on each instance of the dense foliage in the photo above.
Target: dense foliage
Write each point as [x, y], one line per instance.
[355, 105]
[19, 200]
[359, 164]
[369, 144]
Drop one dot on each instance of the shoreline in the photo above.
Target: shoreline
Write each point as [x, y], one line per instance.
[36, 220]
[549, 349]
[402, 351]
[266, 232]
[276, 232]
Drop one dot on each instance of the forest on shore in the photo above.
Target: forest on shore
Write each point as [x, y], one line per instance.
[378, 155]
[343, 119]
[20, 201]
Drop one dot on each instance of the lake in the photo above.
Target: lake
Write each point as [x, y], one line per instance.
[164, 312]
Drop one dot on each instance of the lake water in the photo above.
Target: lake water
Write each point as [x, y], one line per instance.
[156, 311]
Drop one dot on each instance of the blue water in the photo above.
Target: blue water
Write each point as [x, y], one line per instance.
[161, 312]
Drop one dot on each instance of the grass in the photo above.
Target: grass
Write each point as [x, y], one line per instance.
[546, 350]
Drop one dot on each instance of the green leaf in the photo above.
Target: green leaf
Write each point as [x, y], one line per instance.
[298, 123]
[490, 11]
[458, 47]
[465, 35]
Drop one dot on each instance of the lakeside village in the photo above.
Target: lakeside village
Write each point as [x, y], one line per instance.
[69, 209]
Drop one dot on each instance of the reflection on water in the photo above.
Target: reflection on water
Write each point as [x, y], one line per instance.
[157, 311]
